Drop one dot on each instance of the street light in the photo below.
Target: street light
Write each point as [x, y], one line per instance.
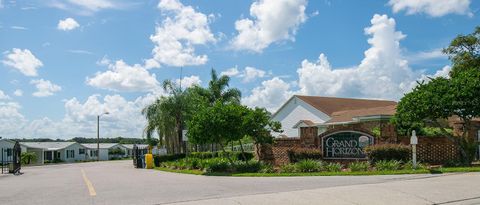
[98, 134]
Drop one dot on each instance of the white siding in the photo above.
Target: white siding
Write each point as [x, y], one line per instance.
[294, 111]
[77, 157]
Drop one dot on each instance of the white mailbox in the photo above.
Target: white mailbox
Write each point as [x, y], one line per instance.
[414, 138]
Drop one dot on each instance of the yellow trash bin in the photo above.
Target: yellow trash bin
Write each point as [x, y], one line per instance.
[149, 161]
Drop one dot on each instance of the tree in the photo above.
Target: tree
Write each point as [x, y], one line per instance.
[28, 157]
[218, 90]
[218, 124]
[464, 52]
[258, 125]
[433, 103]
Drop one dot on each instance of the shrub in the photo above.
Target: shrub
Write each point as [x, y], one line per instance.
[359, 166]
[158, 159]
[232, 155]
[267, 168]
[333, 167]
[452, 163]
[216, 165]
[203, 155]
[388, 152]
[298, 155]
[251, 166]
[288, 168]
[308, 165]
[387, 165]
[409, 165]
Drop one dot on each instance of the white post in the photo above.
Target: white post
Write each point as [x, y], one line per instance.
[414, 142]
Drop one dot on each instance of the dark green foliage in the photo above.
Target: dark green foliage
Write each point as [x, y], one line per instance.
[388, 152]
[217, 165]
[248, 167]
[333, 167]
[228, 154]
[388, 165]
[157, 159]
[28, 157]
[297, 155]
[309, 165]
[116, 151]
[359, 166]
[288, 168]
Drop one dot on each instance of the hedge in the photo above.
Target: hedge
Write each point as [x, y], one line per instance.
[233, 155]
[388, 152]
[297, 155]
[157, 159]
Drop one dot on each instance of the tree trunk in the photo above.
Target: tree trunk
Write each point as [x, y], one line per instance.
[243, 151]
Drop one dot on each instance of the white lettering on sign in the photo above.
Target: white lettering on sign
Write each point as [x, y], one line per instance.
[346, 145]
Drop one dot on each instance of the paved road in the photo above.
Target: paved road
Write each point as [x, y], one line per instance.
[117, 182]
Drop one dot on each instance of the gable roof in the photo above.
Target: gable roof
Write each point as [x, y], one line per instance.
[102, 145]
[48, 145]
[330, 105]
[349, 115]
[140, 146]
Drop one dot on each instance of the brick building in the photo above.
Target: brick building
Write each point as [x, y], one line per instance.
[341, 127]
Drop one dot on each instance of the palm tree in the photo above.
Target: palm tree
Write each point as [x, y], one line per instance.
[218, 90]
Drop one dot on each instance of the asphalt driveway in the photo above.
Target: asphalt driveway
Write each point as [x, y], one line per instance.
[117, 182]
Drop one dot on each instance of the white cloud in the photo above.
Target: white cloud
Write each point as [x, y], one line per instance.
[189, 81]
[231, 72]
[87, 7]
[249, 74]
[426, 56]
[94, 5]
[67, 24]
[1, 4]
[123, 77]
[22, 60]
[181, 30]
[11, 120]
[252, 73]
[18, 27]
[45, 88]
[18, 93]
[271, 94]
[383, 73]
[4, 96]
[434, 8]
[273, 21]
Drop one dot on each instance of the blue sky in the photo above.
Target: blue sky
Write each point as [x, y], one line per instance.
[64, 62]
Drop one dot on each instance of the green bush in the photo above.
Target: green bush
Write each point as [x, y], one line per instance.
[266, 168]
[388, 152]
[232, 155]
[158, 159]
[409, 165]
[288, 168]
[250, 167]
[298, 155]
[216, 165]
[333, 167]
[359, 166]
[308, 165]
[388, 165]
[452, 163]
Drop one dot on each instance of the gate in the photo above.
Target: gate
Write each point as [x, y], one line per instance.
[16, 159]
[137, 157]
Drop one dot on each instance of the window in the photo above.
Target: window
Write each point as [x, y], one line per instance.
[70, 153]
[9, 152]
[93, 153]
[81, 151]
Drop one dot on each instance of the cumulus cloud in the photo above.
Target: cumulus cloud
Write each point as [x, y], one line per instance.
[11, 120]
[249, 74]
[3, 96]
[189, 81]
[123, 77]
[22, 60]
[45, 88]
[18, 92]
[67, 24]
[270, 94]
[176, 37]
[271, 21]
[434, 8]
[382, 74]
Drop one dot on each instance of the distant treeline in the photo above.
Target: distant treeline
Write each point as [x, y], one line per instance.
[121, 140]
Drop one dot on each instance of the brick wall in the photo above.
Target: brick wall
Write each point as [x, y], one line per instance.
[429, 149]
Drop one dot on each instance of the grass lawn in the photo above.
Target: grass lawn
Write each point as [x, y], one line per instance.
[364, 173]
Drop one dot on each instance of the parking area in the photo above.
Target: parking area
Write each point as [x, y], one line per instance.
[117, 182]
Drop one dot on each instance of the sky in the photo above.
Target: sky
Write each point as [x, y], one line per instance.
[63, 62]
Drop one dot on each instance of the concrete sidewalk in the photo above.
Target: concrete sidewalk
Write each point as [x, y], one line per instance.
[452, 189]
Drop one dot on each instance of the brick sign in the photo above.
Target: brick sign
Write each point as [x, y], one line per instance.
[345, 145]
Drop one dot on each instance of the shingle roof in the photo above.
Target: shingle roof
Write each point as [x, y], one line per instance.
[348, 115]
[47, 145]
[330, 105]
[102, 145]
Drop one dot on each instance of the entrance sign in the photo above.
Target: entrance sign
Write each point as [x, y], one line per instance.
[346, 145]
